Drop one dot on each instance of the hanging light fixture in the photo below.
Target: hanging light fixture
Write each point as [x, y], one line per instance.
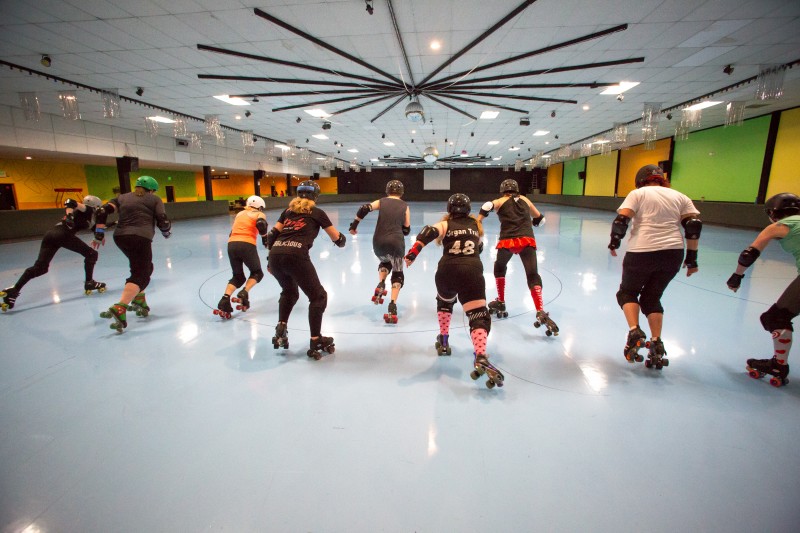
[414, 111]
[430, 154]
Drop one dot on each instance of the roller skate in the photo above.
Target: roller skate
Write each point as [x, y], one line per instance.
[543, 319]
[281, 338]
[758, 368]
[118, 312]
[9, 297]
[498, 308]
[322, 344]
[139, 304]
[636, 340]
[483, 366]
[242, 300]
[224, 308]
[380, 292]
[442, 345]
[655, 357]
[391, 316]
[93, 285]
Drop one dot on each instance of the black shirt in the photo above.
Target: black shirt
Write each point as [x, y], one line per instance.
[299, 231]
[461, 242]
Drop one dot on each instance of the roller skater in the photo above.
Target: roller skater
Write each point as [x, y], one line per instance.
[483, 366]
[77, 216]
[140, 212]
[289, 242]
[518, 216]
[783, 211]
[656, 355]
[388, 242]
[442, 344]
[459, 276]
[242, 251]
[320, 345]
[390, 317]
[281, 338]
[655, 253]
[118, 312]
[224, 309]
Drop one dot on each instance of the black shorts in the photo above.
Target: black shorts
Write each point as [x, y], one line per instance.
[464, 280]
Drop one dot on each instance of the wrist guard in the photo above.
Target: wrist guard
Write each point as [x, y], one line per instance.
[272, 236]
[735, 281]
[341, 240]
[538, 221]
[99, 234]
[414, 251]
[690, 261]
[353, 225]
[69, 221]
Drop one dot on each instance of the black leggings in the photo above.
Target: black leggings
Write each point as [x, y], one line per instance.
[55, 239]
[645, 276]
[293, 271]
[528, 256]
[139, 251]
[241, 254]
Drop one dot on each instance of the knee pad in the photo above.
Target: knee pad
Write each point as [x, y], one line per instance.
[385, 266]
[257, 275]
[237, 280]
[480, 319]
[443, 305]
[626, 297]
[290, 297]
[398, 278]
[91, 257]
[500, 270]
[777, 318]
[319, 300]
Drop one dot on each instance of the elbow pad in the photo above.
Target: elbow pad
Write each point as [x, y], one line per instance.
[618, 230]
[406, 230]
[163, 223]
[261, 226]
[363, 211]
[69, 203]
[428, 234]
[748, 256]
[692, 226]
[486, 208]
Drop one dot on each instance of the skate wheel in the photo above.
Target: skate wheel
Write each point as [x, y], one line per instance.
[474, 374]
[548, 333]
[490, 384]
[316, 356]
[659, 365]
[536, 324]
[330, 349]
[639, 358]
[755, 374]
[4, 307]
[648, 363]
[101, 290]
[665, 362]
[775, 382]
[87, 293]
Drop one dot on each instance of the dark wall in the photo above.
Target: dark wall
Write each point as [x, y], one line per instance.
[471, 181]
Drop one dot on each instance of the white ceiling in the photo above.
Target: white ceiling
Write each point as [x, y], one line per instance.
[125, 44]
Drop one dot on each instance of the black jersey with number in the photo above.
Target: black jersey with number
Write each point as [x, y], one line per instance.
[515, 218]
[461, 242]
[299, 231]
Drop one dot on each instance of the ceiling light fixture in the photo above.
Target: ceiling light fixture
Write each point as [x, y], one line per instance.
[389, 143]
[489, 115]
[492, 143]
[139, 91]
[320, 136]
[45, 60]
[233, 100]
[247, 113]
[414, 111]
[540, 133]
[435, 45]
[370, 8]
[621, 88]
[430, 154]
[317, 113]
[164, 120]
[702, 105]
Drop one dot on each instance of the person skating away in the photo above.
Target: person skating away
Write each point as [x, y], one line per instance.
[78, 216]
[655, 253]
[140, 212]
[459, 275]
[784, 212]
[289, 261]
[518, 216]
[388, 242]
[247, 225]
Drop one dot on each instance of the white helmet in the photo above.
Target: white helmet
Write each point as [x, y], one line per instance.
[92, 201]
[256, 202]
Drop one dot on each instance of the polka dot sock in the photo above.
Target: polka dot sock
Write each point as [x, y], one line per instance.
[444, 322]
[479, 341]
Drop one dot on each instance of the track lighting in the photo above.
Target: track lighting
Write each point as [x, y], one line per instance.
[326, 125]
[669, 116]
[472, 134]
[728, 69]
[553, 113]
[139, 91]
[370, 9]
[255, 99]
[383, 135]
[46, 61]
[298, 120]
[247, 113]
[620, 97]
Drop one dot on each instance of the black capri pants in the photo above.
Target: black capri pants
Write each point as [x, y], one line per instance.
[645, 276]
[139, 251]
[293, 271]
[464, 280]
[241, 254]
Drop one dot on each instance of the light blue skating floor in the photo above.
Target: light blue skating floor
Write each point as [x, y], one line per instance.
[186, 423]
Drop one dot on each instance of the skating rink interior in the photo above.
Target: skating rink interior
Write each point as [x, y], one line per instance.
[188, 423]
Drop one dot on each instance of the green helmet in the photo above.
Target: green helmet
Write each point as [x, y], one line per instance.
[148, 182]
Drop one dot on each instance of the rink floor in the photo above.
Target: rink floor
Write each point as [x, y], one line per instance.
[188, 423]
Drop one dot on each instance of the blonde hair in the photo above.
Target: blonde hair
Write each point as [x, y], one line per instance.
[301, 205]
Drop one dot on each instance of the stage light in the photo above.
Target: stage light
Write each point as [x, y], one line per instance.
[46, 61]
[139, 91]
[370, 9]
[247, 113]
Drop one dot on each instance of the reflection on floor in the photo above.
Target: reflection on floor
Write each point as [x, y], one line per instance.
[186, 422]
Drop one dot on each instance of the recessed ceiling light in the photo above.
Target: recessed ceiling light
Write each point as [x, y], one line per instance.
[621, 88]
[539, 133]
[497, 158]
[165, 120]
[238, 117]
[28, 157]
[493, 142]
[374, 159]
[320, 136]
[282, 146]
[233, 101]
[353, 151]
[602, 141]
[513, 149]
[489, 115]
[388, 143]
[318, 113]
[435, 45]
[320, 158]
[702, 105]
[413, 131]
[585, 107]
[546, 156]
[547, 142]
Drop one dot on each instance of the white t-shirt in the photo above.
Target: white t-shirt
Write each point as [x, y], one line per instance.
[656, 224]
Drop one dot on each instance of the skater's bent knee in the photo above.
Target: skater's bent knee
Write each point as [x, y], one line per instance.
[777, 318]
[257, 275]
[398, 279]
[443, 305]
[480, 319]
[626, 297]
[319, 300]
[237, 280]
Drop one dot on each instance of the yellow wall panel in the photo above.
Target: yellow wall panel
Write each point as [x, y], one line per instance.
[555, 177]
[34, 181]
[784, 175]
[601, 174]
[634, 158]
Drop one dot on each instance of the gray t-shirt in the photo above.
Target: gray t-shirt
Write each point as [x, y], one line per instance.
[137, 214]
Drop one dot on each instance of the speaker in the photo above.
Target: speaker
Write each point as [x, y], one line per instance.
[315, 176]
[666, 166]
[582, 175]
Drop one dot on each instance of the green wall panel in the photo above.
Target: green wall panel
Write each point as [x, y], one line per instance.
[721, 164]
[102, 180]
[572, 185]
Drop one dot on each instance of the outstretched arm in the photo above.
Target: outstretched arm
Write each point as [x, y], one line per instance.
[336, 236]
[428, 234]
[363, 211]
[752, 252]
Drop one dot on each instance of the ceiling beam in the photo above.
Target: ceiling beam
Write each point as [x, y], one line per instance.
[330, 101]
[304, 93]
[451, 95]
[590, 85]
[511, 96]
[454, 108]
[364, 104]
[399, 37]
[291, 80]
[379, 115]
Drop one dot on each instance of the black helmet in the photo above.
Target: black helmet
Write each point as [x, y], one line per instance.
[459, 204]
[394, 187]
[308, 189]
[509, 186]
[782, 205]
[649, 174]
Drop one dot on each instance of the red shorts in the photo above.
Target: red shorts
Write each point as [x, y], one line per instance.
[517, 244]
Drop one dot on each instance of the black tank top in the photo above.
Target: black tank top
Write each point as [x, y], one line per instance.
[515, 219]
[391, 217]
[461, 242]
[83, 220]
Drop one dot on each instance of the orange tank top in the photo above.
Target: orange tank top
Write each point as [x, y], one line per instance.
[244, 227]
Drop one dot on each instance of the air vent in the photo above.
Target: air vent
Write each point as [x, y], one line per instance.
[181, 143]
